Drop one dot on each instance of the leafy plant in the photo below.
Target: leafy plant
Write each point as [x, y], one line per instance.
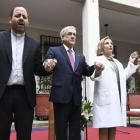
[128, 84]
[86, 114]
[44, 83]
[129, 88]
[137, 82]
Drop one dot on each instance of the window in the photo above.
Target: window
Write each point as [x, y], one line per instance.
[48, 41]
[44, 82]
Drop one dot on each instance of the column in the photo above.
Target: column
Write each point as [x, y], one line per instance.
[91, 36]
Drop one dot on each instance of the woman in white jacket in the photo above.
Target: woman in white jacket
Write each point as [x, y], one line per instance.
[109, 108]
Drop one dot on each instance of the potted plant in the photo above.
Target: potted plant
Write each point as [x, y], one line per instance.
[136, 75]
[86, 116]
[129, 87]
[137, 82]
[42, 97]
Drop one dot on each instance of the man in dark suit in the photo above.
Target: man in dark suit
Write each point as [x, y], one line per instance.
[66, 93]
[20, 59]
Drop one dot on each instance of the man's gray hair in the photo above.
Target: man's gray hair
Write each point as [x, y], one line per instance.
[63, 31]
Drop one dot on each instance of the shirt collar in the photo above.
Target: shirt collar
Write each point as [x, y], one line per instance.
[17, 35]
[68, 48]
[110, 59]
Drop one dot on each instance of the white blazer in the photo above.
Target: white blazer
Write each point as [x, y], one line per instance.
[108, 111]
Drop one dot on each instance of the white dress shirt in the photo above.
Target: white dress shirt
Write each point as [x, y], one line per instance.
[17, 42]
[73, 53]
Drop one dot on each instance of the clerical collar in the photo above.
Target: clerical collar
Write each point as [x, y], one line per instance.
[17, 35]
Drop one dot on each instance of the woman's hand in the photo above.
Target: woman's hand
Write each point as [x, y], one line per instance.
[134, 58]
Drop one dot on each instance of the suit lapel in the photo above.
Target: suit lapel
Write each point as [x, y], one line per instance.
[8, 46]
[76, 60]
[27, 46]
[62, 49]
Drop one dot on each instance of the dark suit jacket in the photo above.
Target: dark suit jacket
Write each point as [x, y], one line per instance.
[32, 64]
[65, 81]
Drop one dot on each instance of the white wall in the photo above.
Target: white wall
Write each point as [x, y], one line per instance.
[124, 49]
[134, 3]
[4, 26]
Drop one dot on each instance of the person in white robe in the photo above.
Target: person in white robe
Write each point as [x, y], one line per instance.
[109, 106]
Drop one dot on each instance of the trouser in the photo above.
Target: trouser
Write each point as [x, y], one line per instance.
[65, 114]
[14, 100]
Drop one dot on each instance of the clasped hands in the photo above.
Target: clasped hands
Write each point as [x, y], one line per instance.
[99, 66]
[49, 64]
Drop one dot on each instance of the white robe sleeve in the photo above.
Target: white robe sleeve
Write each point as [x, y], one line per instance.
[130, 69]
[92, 77]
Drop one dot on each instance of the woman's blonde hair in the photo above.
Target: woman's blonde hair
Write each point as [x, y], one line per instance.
[100, 46]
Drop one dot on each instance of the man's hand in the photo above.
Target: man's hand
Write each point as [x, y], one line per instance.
[49, 64]
[134, 58]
